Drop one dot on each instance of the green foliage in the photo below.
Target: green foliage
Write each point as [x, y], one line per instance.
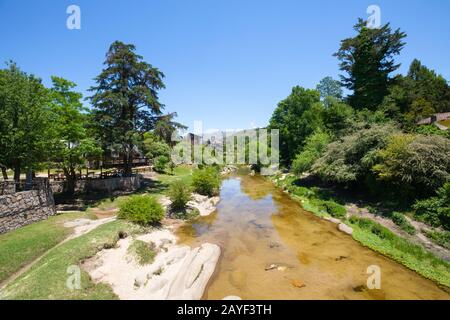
[125, 99]
[415, 257]
[420, 163]
[368, 59]
[337, 117]
[314, 147]
[335, 209]
[72, 143]
[142, 252]
[296, 118]
[143, 210]
[206, 181]
[25, 120]
[436, 210]
[328, 87]
[400, 220]
[431, 129]
[180, 194]
[441, 238]
[418, 95]
[160, 163]
[351, 158]
[154, 146]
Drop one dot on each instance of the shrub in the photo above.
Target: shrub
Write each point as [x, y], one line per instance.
[161, 163]
[335, 209]
[206, 181]
[142, 252]
[418, 162]
[436, 210]
[351, 158]
[373, 227]
[179, 193]
[315, 145]
[141, 209]
[400, 220]
[440, 238]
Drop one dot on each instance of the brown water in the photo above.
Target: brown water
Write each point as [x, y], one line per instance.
[257, 225]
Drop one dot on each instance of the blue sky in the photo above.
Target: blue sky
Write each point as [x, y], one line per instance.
[227, 62]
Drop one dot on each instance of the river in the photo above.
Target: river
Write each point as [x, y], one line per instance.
[257, 225]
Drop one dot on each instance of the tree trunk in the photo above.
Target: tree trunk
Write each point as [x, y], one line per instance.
[4, 173]
[127, 164]
[71, 180]
[29, 180]
[17, 171]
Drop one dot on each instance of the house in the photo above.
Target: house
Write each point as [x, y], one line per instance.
[438, 119]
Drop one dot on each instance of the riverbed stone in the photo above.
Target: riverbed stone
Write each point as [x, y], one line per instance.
[345, 228]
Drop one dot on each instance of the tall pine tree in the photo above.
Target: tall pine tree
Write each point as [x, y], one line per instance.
[125, 100]
[368, 59]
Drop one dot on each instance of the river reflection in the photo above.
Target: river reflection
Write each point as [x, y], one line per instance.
[259, 228]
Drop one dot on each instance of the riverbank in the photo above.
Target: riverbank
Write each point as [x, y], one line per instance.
[108, 253]
[370, 233]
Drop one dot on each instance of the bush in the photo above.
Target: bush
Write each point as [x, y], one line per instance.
[179, 193]
[141, 209]
[373, 227]
[440, 238]
[161, 163]
[142, 252]
[206, 181]
[351, 158]
[420, 163]
[315, 145]
[335, 209]
[436, 210]
[400, 220]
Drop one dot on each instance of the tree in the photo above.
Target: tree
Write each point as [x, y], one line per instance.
[72, 142]
[417, 95]
[155, 147]
[125, 100]
[368, 59]
[314, 147]
[350, 159]
[328, 87]
[296, 117]
[416, 162]
[337, 117]
[25, 120]
[165, 127]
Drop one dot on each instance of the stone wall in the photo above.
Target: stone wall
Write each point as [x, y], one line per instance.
[108, 185]
[22, 208]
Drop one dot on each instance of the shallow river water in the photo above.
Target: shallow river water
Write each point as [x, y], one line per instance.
[257, 225]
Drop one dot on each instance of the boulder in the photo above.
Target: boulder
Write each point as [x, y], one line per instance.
[345, 228]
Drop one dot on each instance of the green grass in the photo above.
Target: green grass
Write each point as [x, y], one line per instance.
[22, 246]
[183, 173]
[441, 238]
[47, 278]
[142, 252]
[400, 220]
[415, 257]
[377, 237]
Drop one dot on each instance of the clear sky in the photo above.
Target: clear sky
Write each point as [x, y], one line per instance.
[227, 62]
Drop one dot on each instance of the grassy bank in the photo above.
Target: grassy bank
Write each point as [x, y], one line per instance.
[47, 278]
[372, 234]
[20, 247]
